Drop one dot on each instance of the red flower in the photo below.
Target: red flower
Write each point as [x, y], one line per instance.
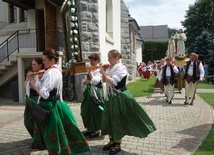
[53, 153]
[68, 149]
[36, 129]
[86, 143]
[53, 137]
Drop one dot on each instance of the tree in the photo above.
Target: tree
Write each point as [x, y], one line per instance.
[199, 18]
[172, 31]
[203, 45]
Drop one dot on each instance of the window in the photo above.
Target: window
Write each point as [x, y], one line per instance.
[23, 15]
[109, 21]
[12, 14]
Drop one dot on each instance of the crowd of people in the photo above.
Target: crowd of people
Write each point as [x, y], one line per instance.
[186, 76]
[107, 107]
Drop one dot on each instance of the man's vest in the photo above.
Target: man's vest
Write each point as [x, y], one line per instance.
[196, 73]
[172, 78]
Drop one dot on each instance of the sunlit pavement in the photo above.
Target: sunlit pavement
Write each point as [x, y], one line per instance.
[180, 128]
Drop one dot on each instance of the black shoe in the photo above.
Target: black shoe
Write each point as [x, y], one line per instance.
[94, 134]
[87, 133]
[170, 102]
[115, 149]
[191, 103]
[109, 146]
[167, 100]
[33, 146]
[186, 103]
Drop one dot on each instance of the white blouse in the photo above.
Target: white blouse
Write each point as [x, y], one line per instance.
[52, 78]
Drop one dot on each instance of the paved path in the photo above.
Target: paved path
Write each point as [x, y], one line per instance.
[180, 128]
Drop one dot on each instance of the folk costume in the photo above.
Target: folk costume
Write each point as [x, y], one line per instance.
[30, 99]
[122, 114]
[60, 135]
[193, 72]
[167, 75]
[91, 111]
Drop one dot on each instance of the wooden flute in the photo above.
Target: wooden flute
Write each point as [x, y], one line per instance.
[70, 70]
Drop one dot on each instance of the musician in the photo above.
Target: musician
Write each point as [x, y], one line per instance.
[122, 114]
[91, 112]
[167, 75]
[61, 134]
[194, 72]
[31, 95]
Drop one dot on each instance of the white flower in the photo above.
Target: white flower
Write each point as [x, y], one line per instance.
[72, 24]
[69, 3]
[76, 24]
[75, 31]
[76, 53]
[73, 10]
[73, 18]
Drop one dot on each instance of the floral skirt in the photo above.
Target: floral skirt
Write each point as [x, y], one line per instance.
[124, 116]
[91, 112]
[28, 117]
[61, 135]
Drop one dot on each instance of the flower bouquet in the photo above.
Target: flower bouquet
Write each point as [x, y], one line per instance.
[180, 57]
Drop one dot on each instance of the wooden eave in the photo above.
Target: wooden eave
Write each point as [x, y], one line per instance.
[24, 4]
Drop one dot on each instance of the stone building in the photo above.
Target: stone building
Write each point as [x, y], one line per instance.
[28, 27]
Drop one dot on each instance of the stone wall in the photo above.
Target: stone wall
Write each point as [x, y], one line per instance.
[129, 58]
[89, 35]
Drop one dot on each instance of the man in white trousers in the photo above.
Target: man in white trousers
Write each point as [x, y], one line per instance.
[194, 72]
[167, 75]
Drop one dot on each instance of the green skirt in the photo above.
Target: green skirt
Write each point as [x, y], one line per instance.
[61, 135]
[28, 117]
[124, 116]
[90, 112]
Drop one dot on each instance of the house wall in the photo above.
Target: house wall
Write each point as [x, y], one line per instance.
[139, 52]
[3, 11]
[106, 45]
[129, 58]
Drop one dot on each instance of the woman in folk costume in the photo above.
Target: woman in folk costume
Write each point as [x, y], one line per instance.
[60, 135]
[91, 112]
[31, 95]
[180, 43]
[122, 114]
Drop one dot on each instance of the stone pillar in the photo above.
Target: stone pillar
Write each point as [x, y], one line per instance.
[21, 79]
[78, 86]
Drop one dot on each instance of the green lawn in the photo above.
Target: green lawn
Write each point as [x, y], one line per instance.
[205, 85]
[207, 146]
[142, 87]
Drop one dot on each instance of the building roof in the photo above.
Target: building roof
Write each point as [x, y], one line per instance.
[154, 33]
[135, 25]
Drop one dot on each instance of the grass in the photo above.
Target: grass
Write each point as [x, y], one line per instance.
[205, 85]
[142, 87]
[207, 146]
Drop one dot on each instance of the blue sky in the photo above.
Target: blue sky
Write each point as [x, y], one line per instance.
[159, 12]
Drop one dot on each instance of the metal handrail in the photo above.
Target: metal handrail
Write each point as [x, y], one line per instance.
[23, 39]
